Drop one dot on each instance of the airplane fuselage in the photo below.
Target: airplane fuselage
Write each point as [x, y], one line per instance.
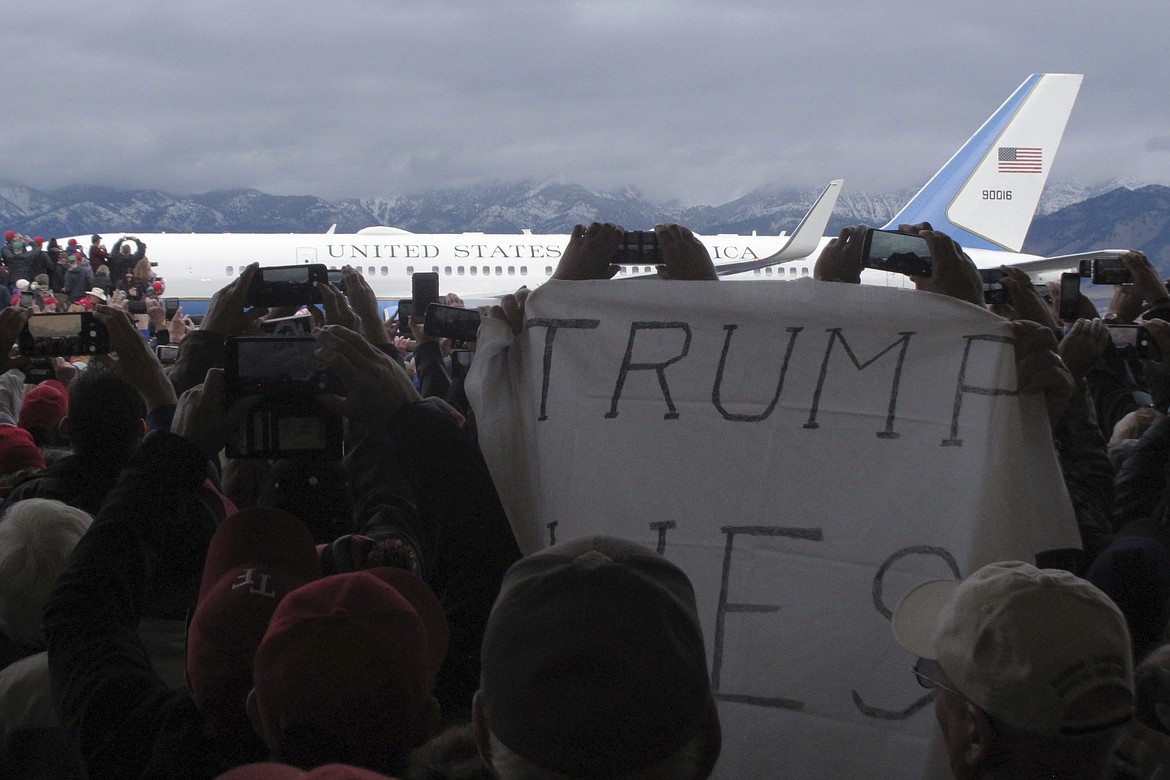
[478, 267]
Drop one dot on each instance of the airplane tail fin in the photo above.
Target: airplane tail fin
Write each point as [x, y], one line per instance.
[985, 196]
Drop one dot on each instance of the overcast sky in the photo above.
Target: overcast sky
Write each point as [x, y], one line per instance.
[695, 101]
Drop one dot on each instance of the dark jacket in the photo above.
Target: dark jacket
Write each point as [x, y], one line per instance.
[425, 460]
[125, 720]
[82, 481]
[78, 281]
[121, 264]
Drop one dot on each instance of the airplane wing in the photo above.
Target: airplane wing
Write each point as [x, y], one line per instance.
[1051, 266]
[803, 241]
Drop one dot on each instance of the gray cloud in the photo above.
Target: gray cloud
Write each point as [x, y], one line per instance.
[697, 101]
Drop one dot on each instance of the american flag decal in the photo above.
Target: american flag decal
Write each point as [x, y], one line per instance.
[1021, 159]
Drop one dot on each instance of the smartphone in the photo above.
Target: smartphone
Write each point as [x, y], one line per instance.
[461, 362]
[63, 335]
[286, 285]
[170, 307]
[167, 353]
[136, 307]
[1110, 270]
[896, 252]
[1133, 341]
[425, 291]
[638, 247]
[451, 322]
[993, 289]
[1070, 296]
[405, 312]
[336, 280]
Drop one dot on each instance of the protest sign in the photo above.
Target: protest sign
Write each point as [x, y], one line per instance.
[806, 452]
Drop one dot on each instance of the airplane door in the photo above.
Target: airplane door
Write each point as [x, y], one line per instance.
[306, 255]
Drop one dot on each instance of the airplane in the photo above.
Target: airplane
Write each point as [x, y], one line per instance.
[985, 197]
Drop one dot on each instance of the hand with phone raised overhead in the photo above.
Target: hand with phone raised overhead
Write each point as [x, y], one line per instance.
[365, 305]
[337, 309]
[375, 386]
[1026, 302]
[1146, 284]
[1083, 346]
[1039, 367]
[133, 360]
[226, 314]
[952, 271]
[684, 257]
[841, 259]
[589, 253]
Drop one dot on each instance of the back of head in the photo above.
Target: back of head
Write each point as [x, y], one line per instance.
[256, 557]
[594, 663]
[18, 451]
[105, 413]
[346, 667]
[42, 409]
[36, 537]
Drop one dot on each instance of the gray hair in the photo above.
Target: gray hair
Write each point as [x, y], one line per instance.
[36, 537]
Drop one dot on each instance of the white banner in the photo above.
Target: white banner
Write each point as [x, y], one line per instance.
[806, 452]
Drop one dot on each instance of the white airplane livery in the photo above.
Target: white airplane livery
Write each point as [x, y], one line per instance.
[985, 197]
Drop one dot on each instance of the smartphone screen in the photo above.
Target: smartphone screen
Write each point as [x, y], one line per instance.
[1070, 295]
[286, 365]
[76, 333]
[890, 250]
[405, 311]
[638, 247]
[425, 289]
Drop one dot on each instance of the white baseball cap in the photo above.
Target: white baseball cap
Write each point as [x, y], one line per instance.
[1040, 649]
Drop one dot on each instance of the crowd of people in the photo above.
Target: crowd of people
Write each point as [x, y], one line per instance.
[53, 278]
[166, 611]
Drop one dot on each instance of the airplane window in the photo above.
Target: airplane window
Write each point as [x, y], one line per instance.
[460, 270]
[447, 270]
[768, 270]
[385, 270]
[371, 270]
[804, 271]
[548, 270]
[511, 270]
[410, 270]
[792, 270]
[499, 271]
[524, 270]
[474, 270]
[434, 269]
[487, 270]
[229, 270]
